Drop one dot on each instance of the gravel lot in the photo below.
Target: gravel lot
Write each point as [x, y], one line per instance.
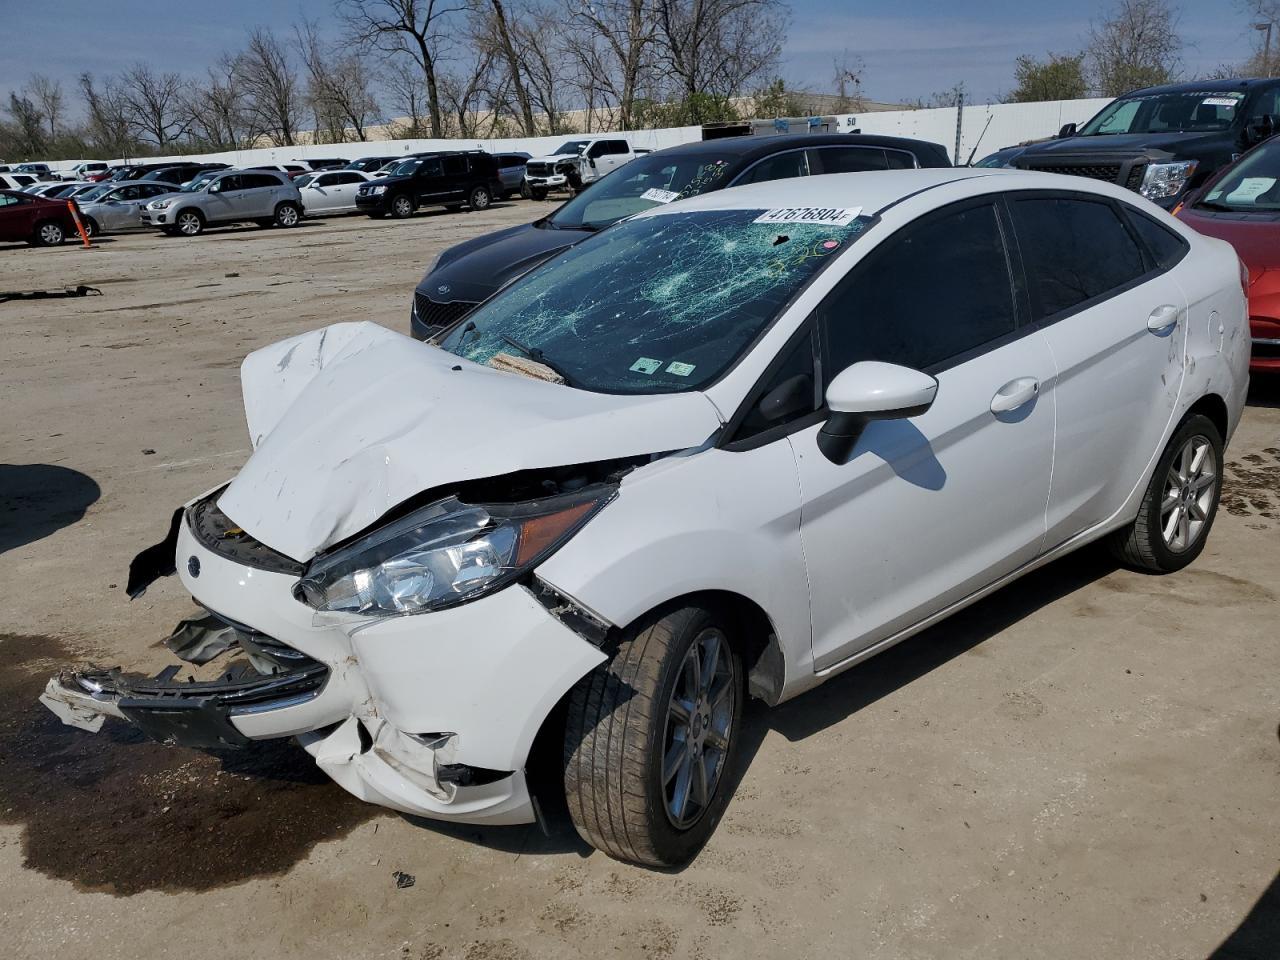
[1083, 765]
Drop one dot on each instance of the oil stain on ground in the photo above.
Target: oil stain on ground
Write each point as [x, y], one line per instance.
[1251, 485]
[117, 812]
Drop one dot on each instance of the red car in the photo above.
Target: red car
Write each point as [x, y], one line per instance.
[35, 220]
[1241, 205]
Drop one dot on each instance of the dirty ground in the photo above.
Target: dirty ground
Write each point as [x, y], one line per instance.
[1086, 764]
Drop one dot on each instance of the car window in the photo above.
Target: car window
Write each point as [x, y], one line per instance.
[430, 167]
[655, 304]
[879, 313]
[1165, 246]
[128, 193]
[256, 181]
[348, 178]
[1267, 102]
[327, 180]
[781, 166]
[1252, 185]
[154, 190]
[616, 146]
[7, 201]
[1073, 250]
[454, 166]
[851, 159]
[230, 183]
[797, 373]
[640, 185]
[899, 160]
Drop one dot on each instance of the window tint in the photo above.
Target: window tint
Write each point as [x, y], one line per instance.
[347, 178]
[455, 166]
[430, 167]
[881, 314]
[1073, 250]
[1267, 102]
[899, 160]
[6, 200]
[851, 159]
[328, 180]
[781, 166]
[616, 146]
[798, 362]
[230, 183]
[254, 181]
[1165, 246]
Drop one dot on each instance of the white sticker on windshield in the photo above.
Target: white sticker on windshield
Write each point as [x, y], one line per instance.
[1250, 189]
[831, 216]
[659, 196]
[646, 365]
[680, 369]
[1220, 101]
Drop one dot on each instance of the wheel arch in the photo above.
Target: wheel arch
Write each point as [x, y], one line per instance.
[1215, 408]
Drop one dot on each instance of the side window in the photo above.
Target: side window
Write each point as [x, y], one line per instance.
[598, 149]
[1165, 246]
[430, 167]
[348, 178]
[618, 146]
[128, 193]
[7, 201]
[455, 166]
[328, 180]
[1073, 250]
[1267, 102]
[851, 159]
[786, 394]
[899, 160]
[256, 181]
[230, 183]
[879, 314]
[781, 166]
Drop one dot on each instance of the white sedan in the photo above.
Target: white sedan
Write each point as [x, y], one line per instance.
[331, 192]
[728, 447]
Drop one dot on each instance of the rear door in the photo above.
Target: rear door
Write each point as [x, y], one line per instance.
[1116, 323]
[257, 194]
[456, 177]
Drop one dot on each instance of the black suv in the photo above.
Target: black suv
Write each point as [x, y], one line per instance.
[446, 179]
[472, 271]
[1163, 141]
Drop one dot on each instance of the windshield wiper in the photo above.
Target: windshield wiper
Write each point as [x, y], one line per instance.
[537, 356]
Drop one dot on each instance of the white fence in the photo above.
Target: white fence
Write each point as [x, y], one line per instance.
[1009, 123]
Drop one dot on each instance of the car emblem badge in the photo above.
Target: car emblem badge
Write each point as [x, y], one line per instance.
[443, 288]
[193, 566]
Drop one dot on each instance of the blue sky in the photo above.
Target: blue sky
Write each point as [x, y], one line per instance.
[910, 48]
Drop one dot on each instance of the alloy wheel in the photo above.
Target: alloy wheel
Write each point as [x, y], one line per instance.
[699, 728]
[287, 216]
[189, 224]
[1189, 490]
[50, 234]
[403, 207]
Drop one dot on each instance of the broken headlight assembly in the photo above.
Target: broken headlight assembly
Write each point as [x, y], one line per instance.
[444, 554]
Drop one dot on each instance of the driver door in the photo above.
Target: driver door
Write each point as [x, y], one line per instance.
[925, 511]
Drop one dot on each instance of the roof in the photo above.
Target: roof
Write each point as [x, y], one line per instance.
[1205, 85]
[752, 147]
[876, 190]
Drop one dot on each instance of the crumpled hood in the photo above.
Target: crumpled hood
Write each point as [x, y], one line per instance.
[349, 421]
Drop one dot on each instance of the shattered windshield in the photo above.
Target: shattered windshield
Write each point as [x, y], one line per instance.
[1185, 112]
[1254, 184]
[643, 183]
[658, 304]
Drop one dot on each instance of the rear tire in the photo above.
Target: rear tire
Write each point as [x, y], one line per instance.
[90, 226]
[1180, 504]
[479, 198]
[49, 233]
[639, 729]
[287, 214]
[525, 191]
[401, 207]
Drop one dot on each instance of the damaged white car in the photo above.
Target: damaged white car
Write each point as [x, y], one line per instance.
[726, 448]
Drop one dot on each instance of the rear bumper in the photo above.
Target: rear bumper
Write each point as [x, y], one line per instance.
[433, 714]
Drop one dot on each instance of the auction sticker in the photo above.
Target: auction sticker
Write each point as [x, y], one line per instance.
[1220, 102]
[831, 216]
[680, 369]
[1250, 189]
[646, 365]
[659, 196]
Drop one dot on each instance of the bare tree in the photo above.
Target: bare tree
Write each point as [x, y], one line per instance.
[47, 96]
[109, 130]
[614, 51]
[339, 86]
[407, 27]
[472, 93]
[154, 105]
[1264, 24]
[1136, 46]
[848, 71]
[27, 130]
[541, 48]
[403, 80]
[493, 14]
[216, 110]
[270, 83]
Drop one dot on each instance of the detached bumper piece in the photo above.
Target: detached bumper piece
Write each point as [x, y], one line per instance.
[193, 713]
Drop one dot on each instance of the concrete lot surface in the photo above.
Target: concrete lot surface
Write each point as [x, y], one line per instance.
[1084, 765]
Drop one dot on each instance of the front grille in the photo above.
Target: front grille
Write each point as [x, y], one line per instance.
[539, 169]
[222, 535]
[1094, 171]
[440, 315]
[1134, 180]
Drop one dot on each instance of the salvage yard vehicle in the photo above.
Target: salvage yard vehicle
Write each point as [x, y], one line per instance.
[34, 220]
[464, 275]
[1164, 141]
[114, 207]
[264, 197]
[330, 192]
[724, 448]
[574, 164]
[511, 172]
[1242, 206]
[438, 178]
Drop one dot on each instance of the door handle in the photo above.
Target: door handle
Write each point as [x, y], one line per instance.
[1014, 394]
[1163, 318]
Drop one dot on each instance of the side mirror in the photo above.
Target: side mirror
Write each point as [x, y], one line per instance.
[1068, 130]
[1263, 128]
[868, 391]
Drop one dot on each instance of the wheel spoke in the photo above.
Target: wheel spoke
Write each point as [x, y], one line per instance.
[1170, 501]
[1196, 511]
[1184, 463]
[716, 739]
[1184, 528]
[681, 711]
[1203, 481]
[720, 693]
[1198, 453]
[684, 780]
[692, 673]
[676, 757]
[710, 663]
[700, 779]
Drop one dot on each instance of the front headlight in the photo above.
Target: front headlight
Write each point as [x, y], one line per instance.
[443, 554]
[1166, 179]
[380, 188]
[160, 204]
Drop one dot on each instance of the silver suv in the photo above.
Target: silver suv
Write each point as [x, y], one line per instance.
[261, 196]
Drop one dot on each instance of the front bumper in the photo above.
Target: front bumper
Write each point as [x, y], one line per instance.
[552, 182]
[154, 218]
[371, 203]
[432, 715]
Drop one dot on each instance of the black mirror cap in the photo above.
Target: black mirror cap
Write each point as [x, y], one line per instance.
[1068, 130]
[840, 434]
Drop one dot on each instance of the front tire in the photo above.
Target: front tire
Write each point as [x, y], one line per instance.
[287, 215]
[1180, 504]
[651, 736]
[90, 227]
[401, 207]
[189, 223]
